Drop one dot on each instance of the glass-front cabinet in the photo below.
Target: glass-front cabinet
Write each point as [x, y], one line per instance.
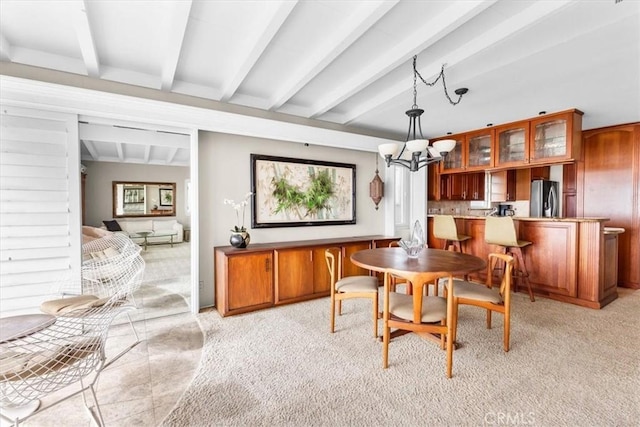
[455, 160]
[553, 135]
[512, 144]
[478, 150]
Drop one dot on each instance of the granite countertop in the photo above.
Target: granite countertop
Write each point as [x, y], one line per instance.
[519, 218]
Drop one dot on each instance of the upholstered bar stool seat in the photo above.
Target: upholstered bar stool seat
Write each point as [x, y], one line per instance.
[501, 232]
[444, 228]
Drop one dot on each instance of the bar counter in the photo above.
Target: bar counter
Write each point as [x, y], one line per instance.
[571, 259]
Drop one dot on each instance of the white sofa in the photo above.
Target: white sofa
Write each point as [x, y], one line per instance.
[159, 228]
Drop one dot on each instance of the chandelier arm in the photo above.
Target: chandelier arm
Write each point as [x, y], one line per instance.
[413, 166]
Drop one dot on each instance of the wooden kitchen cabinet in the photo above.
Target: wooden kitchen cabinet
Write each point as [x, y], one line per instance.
[512, 144]
[556, 137]
[455, 161]
[550, 138]
[433, 182]
[251, 279]
[478, 149]
[456, 186]
[463, 186]
[547, 139]
[503, 186]
[608, 177]
[569, 190]
[475, 186]
[473, 152]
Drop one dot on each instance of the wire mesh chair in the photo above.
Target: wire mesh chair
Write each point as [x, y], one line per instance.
[69, 351]
[112, 266]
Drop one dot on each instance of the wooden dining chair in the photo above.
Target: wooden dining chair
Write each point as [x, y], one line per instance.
[419, 313]
[408, 287]
[398, 280]
[349, 287]
[485, 296]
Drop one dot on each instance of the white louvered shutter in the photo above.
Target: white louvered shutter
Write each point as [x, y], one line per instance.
[39, 206]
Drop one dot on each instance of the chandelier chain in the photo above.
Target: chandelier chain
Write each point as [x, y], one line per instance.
[430, 84]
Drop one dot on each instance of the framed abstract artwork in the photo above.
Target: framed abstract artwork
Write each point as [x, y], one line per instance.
[290, 192]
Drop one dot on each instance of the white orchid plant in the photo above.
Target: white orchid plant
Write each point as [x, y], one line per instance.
[238, 207]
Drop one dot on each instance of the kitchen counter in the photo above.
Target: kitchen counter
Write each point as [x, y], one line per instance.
[523, 218]
[572, 260]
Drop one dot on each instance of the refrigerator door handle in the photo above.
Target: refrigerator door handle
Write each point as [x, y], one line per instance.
[552, 203]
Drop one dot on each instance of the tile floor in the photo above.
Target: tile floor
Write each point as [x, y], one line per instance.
[141, 387]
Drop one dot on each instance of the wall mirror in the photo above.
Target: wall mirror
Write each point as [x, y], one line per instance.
[136, 199]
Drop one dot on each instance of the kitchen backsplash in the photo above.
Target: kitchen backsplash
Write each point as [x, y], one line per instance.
[452, 207]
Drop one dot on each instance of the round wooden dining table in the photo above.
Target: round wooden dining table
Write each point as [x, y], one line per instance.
[429, 260]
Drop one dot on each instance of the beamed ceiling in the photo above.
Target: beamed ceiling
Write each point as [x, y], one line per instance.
[344, 62]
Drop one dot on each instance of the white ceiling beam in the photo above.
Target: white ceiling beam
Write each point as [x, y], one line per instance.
[503, 30]
[38, 58]
[171, 155]
[119, 151]
[113, 134]
[175, 38]
[147, 153]
[5, 49]
[432, 31]
[91, 149]
[256, 42]
[366, 14]
[85, 39]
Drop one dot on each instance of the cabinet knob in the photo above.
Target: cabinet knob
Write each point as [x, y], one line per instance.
[267, 265]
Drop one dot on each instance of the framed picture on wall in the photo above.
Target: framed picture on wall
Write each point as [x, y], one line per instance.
[166, 197]
[289, 192]
[133, 195]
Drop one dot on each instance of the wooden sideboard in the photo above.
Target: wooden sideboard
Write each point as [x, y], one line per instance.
[571, 259]
[270, 274]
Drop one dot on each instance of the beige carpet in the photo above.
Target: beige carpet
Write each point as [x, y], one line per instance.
[568, 366]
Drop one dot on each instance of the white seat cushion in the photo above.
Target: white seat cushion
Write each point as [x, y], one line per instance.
[434, 309]
[357, 284]
[135, 226]
[61, 306]
[477, 291]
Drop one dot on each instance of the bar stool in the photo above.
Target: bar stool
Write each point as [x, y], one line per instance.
[501, 231]
[444, 227]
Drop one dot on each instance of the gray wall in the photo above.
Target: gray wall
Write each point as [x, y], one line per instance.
[99, 194]
[224, 173]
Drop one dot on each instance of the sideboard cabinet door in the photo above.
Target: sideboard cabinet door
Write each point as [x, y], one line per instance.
[294, 274]
[244, 282]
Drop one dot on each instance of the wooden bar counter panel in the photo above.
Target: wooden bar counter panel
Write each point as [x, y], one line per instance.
[267, 274]
[567, 260]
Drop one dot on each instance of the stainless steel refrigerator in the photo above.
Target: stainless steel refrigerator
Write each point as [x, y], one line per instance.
[544, 199]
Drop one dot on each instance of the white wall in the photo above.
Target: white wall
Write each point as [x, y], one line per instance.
[224, 165]
[99, 191]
